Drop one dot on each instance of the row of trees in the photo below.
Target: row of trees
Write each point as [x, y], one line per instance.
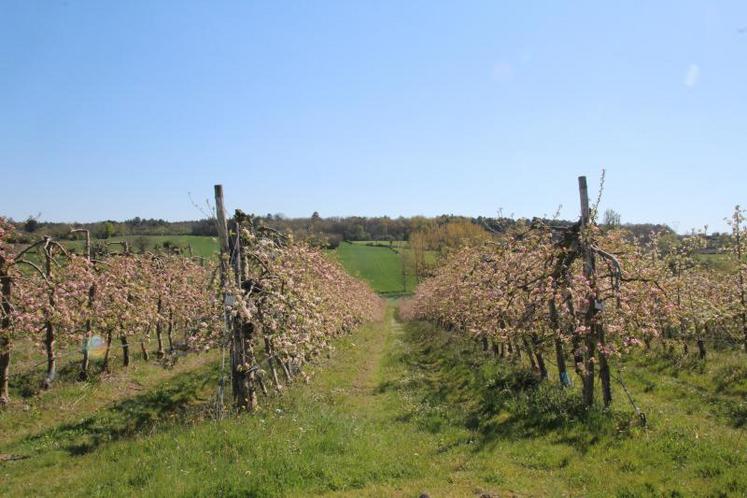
[287, 302]
[58, 299]
[28, 229]
[587, 293]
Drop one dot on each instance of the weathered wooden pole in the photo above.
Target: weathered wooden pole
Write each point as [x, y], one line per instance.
[588, 385]
[595, 331]
[245, 339]
[220, 214]
[243, 397]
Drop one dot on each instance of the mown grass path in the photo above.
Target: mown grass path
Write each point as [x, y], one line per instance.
[398, 409]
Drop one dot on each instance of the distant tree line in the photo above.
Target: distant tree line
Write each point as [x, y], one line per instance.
[31, 228]
[325, 232]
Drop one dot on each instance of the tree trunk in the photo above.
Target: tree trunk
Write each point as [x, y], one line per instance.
[529, 353]
[604, 374]
[515, 351]
[105, 365]
[49, 341]
[541, 364]
[286, 370]
[170, 331]
[159, 330]
[588, 387]
[740, 276]
[701, 343]
[144, 351]
[555, 324]
[578, 357]
[252, 377]
[262, 385]
[125, 351]
[536, 348]
[83, 374]
[270, 351]
[6, 285]
[4, 368]
[701, 349]
[49, 338]
[565, 380]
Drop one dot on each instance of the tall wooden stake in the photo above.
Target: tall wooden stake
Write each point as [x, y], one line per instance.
[591, 343]
[595, 332]
[244, 398]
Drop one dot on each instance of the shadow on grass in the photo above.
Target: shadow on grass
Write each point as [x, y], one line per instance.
[28, 383]
[456, 384]
[718, 384]
[175, 402]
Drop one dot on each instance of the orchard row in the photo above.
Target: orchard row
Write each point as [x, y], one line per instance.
[292, 298]
[587, 293]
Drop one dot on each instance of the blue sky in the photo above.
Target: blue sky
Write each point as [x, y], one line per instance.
[122, 109]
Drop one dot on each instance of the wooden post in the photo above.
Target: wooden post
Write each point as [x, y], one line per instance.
[243, 398]
[220, 215]
[595, 331]
[245, 342]
[588, 387]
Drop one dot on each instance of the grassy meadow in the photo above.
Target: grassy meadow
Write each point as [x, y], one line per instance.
[381, 266]
[398, 409]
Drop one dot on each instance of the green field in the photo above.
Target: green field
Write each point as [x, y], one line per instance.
[380, 266]
[399, 409]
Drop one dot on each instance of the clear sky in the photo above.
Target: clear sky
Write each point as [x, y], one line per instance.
[123, 108]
